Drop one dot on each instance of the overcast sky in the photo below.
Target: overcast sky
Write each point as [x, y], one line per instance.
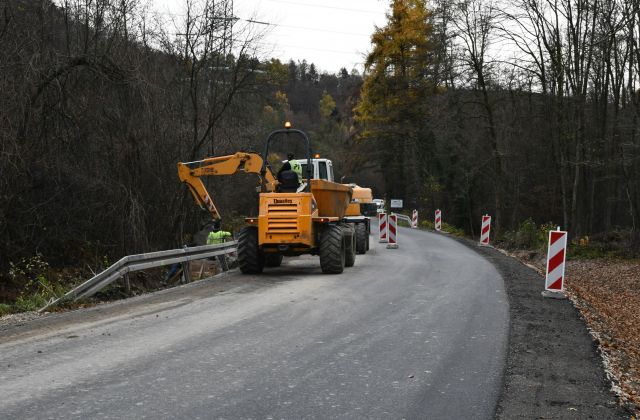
[330, 33]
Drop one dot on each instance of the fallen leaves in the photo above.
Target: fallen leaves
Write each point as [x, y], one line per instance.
[607, 294]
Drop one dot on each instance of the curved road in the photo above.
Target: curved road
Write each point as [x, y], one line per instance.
[417, 332]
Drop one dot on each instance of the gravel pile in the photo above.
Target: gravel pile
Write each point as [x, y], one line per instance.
[17, 319]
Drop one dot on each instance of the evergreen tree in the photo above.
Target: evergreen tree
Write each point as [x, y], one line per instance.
[392, 106]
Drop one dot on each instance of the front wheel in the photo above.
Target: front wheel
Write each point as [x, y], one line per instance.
[332, 250]
[250, 257]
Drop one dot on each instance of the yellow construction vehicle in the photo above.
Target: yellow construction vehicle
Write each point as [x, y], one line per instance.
[359, 212]
[292, 220]
[360, 209]
[191, 172]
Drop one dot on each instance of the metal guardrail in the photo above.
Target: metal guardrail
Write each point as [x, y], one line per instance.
[403, 217]
[132, 263]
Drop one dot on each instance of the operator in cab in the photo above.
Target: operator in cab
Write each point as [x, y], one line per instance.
[290, 169]
[292, 165]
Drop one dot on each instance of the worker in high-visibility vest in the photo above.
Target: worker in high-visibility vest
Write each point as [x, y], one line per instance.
[218, 236]
[295, 167]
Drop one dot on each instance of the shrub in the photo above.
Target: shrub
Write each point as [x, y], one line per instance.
[5, 309]
[527, 235]
[29, 303]
[38, 287]
[426, 224]
[612, 244]
[452, 230]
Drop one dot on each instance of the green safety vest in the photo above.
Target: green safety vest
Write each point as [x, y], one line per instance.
[217, 237]
[297, 168]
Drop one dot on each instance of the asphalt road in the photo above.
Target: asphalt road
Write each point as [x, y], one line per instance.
[418, 332]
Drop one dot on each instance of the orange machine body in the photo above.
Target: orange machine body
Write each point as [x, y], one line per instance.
[289, 222]
[360, 196]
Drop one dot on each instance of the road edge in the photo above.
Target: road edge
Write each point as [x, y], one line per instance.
[531, 375]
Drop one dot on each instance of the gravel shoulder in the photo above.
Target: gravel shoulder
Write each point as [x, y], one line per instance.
[553, 367]
[32, 325]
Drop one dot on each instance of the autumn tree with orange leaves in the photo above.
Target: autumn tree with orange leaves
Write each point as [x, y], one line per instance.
[391, 112]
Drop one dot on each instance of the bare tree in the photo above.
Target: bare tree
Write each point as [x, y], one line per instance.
[476, 25]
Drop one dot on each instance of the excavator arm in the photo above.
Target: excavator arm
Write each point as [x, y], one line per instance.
[191, 173]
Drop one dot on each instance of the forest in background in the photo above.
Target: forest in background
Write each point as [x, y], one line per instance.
[520, 109]
[526, 110]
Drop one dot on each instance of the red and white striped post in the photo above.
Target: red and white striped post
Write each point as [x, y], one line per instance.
[393, 232]
[414, 220]
[383, 228]
[556, 257]
[485, 230]
[438, 222]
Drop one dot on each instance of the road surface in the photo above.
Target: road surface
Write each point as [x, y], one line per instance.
[417, 332]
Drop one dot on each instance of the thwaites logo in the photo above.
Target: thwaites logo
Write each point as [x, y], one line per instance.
[282, 201]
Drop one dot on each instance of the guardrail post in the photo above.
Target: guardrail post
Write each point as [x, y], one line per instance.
[186, 275]
[224, 266]
[127, 283]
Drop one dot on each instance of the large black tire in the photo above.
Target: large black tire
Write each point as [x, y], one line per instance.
[368, 233]
[332, 250]
[272, 260]
[362, 238]
[250, 257]
[350, 244]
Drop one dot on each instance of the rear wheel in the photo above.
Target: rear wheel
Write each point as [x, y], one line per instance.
[250, 257]
[362, 238]
[332, 250]
[368, 232]
[350, 245]
[272, 260]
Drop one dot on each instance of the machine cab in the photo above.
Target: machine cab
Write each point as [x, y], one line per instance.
[322, 168]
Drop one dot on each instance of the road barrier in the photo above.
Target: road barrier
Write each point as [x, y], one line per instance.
[556, 257]
[383, 227]
[403, 217]
[485, 230]
[132, 263]
[438, 221]
[414, 219]
[393, 230]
